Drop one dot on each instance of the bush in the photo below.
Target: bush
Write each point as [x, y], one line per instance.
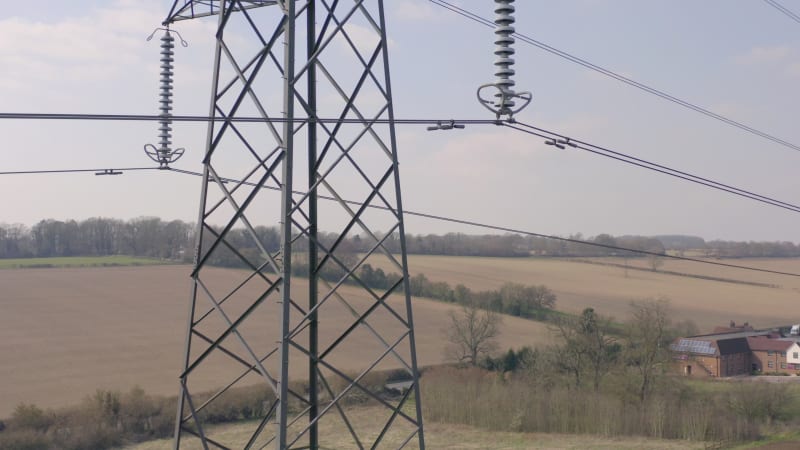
[243, 403]
[31, 417]
[144, 417]
[464, 395]
[24, 440]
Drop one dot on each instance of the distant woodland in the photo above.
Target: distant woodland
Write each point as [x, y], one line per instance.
[174, 240]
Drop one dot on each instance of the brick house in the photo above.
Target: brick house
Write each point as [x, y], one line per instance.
[793, 358]
[769, 354]
[705, 356]
[737, 350]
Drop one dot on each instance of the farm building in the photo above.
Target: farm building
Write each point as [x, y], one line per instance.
[736, 350]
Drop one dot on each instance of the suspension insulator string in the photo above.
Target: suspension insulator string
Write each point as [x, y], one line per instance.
[504, 103]
[164, 154]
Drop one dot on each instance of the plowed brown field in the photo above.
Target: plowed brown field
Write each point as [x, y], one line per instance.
[609, 290]
[66, 332]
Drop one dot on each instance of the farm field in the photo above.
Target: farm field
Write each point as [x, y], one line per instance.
[446, 436]
[607, 288]
[79, 261]
[66, 332]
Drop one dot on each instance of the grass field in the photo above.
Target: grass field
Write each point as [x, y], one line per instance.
[79, 261]
[445, 436]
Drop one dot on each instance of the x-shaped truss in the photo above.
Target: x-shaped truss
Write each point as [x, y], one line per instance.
[300, 292]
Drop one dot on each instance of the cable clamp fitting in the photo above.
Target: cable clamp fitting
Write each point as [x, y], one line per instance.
[441, 125]
[108, 172]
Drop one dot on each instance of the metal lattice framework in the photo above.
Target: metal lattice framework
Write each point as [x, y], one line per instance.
[307, 303]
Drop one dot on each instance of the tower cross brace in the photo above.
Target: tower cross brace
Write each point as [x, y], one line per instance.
[303, 307]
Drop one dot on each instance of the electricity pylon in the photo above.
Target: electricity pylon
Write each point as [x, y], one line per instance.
[306, 310]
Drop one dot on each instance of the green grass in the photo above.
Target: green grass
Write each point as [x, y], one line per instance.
[786, 437]
[79, 261]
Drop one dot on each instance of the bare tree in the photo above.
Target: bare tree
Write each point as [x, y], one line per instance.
[647, 342]
[471, 334]
[655, 262]
[587, 347]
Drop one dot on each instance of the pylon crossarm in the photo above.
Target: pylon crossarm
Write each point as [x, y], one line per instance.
[195, 9]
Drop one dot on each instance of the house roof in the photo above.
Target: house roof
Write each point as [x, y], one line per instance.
[731, 335]
[732, 346]
[734, 328]
[764, 344]
[711, 347]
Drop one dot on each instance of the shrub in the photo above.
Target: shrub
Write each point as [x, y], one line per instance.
[31, 417]
[145, 417]
[242, 403]
[26, 439]
[464, 395]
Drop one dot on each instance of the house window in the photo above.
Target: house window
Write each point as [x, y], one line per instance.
[794, 355]
[771, 364]
[783, 354]
[783, 365]
[770, 352]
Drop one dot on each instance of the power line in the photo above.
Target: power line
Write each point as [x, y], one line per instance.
[432, 216]
[513, 230]
[784, 10]
[103, 171]
[650, 90]
[195, 118]
[551, 137]
[562, 141]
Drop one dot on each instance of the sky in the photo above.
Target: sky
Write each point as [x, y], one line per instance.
[737, 58]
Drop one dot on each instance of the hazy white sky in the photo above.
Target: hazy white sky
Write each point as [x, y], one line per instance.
[737, 58]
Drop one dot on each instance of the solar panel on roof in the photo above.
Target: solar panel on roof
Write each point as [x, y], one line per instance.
[694, 346]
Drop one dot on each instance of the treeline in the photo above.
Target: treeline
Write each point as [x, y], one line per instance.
[735, 249]
[145, 236]
[157, 238]
[530, 302]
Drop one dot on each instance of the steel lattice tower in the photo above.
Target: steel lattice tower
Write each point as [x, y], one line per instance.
[303, 307]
